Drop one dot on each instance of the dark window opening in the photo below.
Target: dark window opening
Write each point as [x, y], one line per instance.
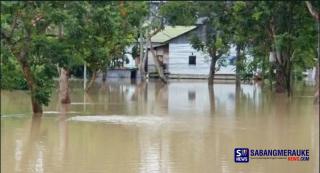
[192, 60]
[191, 95]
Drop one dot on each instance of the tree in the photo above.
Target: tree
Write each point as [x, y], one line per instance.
[101, 31]
[135, 17]
[288, 28]
[241, 31]
[64, 74]
[154, 25]
[24, 36]
[92, 32]
[316, 15]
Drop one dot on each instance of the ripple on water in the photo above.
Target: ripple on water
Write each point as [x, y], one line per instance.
[58, 112]
[12, 115]
[118, 119]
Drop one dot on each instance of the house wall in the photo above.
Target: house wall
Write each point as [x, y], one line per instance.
[180, 49]
[179, 60]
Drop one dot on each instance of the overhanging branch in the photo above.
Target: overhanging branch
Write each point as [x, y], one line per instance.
[315, 14]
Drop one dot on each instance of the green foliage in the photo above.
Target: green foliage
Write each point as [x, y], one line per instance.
[32, 28]
[64, 34]
[101, 31]
[135, 51]
[197, 43]
[44, 81]
[11, 76]
[293, 29]
[180, 13]
[249, 25]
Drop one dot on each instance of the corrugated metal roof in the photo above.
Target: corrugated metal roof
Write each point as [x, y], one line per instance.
[170, 32]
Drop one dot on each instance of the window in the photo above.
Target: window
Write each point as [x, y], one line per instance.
[192, 60]
[191, 95]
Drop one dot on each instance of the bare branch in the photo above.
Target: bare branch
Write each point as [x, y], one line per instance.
[314, 13]
[13, 25]
[155, 32]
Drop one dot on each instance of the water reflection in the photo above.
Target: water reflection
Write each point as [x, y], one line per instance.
[185, 126]
[63, 132]
[32, 153]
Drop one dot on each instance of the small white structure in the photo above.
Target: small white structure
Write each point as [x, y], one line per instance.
[131, 63]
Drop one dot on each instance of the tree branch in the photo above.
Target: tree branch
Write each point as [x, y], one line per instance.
[314, 13]
[219, 55]
[155, 32]
[13, 25]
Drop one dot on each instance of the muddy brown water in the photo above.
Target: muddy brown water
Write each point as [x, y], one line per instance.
[182, 127]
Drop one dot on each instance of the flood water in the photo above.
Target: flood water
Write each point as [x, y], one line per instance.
[182, 127]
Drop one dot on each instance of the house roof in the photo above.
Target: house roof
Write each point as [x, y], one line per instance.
[170, 32]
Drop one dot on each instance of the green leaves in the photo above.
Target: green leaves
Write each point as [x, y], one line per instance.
[31, 27]
[11, 75]
[180, 13]
[197, 43]
[219, 44]
[257, 15]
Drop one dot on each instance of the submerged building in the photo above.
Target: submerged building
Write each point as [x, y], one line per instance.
[179, 59]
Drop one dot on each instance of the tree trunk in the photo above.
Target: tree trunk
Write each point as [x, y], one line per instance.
[288, 78]
[145, 62]
[64, 95]
[280, 80]
[92, 80]
[281, 77]
[238, 61]
[156, 62]
[211, 99]
[283, 72]
[104, 76]
[36, 105]
[316, 95]
[212, 70]
[141, 56]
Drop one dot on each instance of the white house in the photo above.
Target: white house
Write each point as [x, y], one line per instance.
[178, 57]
